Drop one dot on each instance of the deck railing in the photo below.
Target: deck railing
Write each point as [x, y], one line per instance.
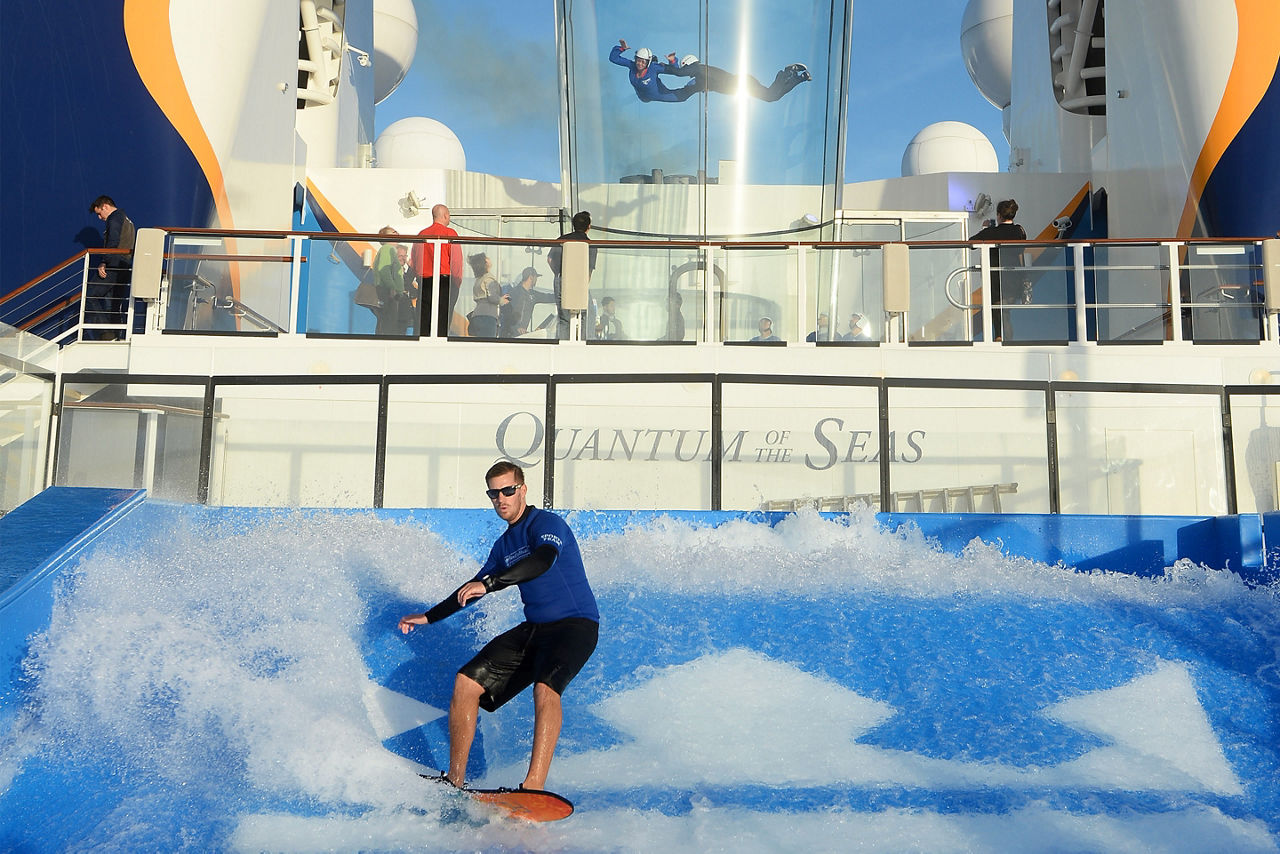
[954, 293]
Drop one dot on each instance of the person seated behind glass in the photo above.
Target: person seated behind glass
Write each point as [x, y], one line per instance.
[766, 330]
[608, 326]
[823, 332]
[859, 329]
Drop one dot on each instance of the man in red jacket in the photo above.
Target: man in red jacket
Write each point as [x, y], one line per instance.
[450, 271]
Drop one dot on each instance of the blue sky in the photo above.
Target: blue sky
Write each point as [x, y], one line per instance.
[490, 75]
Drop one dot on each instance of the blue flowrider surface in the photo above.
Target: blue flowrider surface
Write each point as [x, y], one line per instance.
[226, 679]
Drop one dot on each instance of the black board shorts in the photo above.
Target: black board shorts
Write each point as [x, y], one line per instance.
[551, 653]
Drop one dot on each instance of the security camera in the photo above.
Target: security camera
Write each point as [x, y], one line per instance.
[362, 57]
[1062, 223]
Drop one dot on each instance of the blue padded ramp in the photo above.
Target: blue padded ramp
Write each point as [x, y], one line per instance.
[50, 523]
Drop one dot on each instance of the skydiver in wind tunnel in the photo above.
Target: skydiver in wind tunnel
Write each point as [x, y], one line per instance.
[643, 74]
[644, 70]
[714, 79]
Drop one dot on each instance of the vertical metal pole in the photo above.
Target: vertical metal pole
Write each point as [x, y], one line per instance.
[1082, 307]
[151, 445]
[549, 446]
[55, 425]
[1228, 454]
[1175, 292]
[717, 443]
[885, 486]
[380, 447]
[295, 283]
[984, 254]
[84, 297]
[564, 67]
[802, 291]
[128, 312]
[1051, 448]
[833, 301]
[436, 296]
[709, 315]
[206, 444]
[836, 178]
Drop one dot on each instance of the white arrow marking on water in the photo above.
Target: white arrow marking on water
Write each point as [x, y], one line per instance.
[739, 717]
[1160, 735]
[391, 713]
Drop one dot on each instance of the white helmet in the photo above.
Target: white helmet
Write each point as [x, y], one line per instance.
[644, 53]
[689, 59]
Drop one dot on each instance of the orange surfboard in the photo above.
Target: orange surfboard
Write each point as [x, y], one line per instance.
[526, 804]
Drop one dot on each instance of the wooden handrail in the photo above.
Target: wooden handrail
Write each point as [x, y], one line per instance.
[47, 273]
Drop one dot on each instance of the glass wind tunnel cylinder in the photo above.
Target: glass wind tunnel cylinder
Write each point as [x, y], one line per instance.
[714, 119]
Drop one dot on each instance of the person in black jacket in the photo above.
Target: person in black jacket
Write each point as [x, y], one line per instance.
[1004, 229]
[581, 223]
[107, 293]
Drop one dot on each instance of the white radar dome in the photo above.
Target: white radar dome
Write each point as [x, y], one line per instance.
[986, 41]
[419, 143]
[395, 41]
[949, 147]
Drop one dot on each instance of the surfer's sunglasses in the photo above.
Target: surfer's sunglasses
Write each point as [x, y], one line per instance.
[505, 490]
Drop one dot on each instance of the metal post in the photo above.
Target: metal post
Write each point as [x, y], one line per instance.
[380, 445]
[1175, 291]
[206, 445]
[295, 283]
[802, 291]
[128, 312]
[1082, 307]
[1228, 454]
[151, 419]
[984, 253]
[885, 487]
[717, 443]
[1051, 447]
[436, 296]
[549, 446]
[84, 297]
[709, 318]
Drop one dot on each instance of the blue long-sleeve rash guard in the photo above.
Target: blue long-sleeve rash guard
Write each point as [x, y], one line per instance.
[539, 554]
[648, 87]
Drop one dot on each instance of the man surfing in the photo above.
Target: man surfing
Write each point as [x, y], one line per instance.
[539, 554]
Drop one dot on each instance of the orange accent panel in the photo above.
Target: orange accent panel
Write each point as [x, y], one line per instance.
[1257, 51]
[146, 28]
[339, 221]
[1051, 233]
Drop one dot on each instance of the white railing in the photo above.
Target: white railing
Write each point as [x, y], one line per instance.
[1061, 292]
